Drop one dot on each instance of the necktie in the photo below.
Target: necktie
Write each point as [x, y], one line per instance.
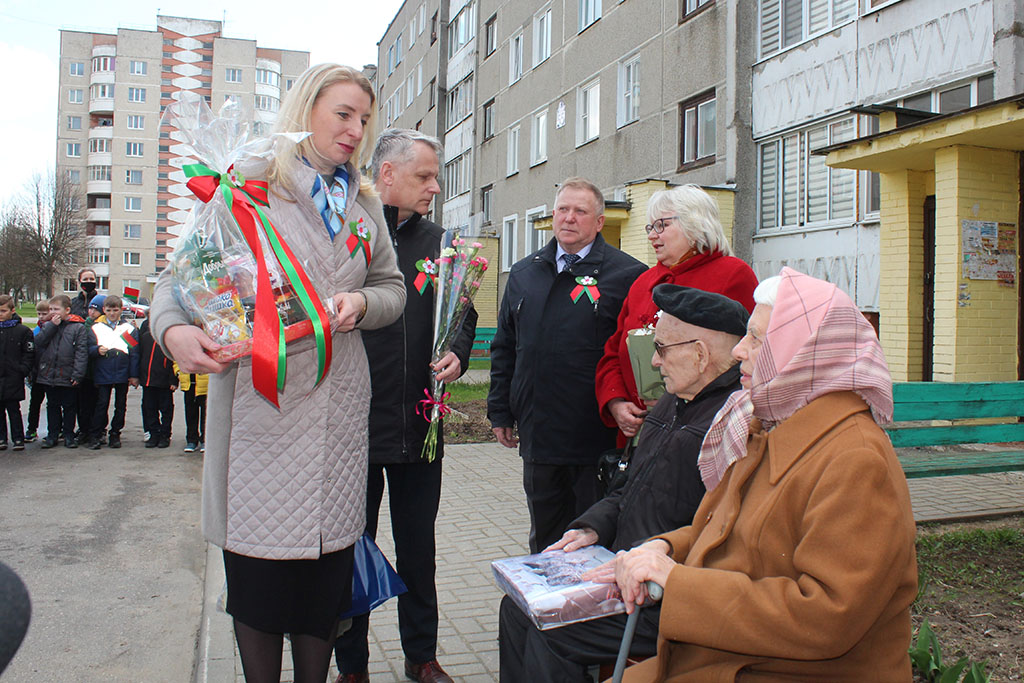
[570, 259]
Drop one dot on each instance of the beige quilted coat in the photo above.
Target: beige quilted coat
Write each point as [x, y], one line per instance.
[292, 484]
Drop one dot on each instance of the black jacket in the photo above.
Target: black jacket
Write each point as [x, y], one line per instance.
[63, 352]
[545, 352]
[664, 486]
[399, 354]
[155, 369]
[17, 358]
[80, 304]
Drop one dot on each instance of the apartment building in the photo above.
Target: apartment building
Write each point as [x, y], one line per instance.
[114, 88]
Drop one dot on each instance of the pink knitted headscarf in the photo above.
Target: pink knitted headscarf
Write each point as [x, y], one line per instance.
[817, 343]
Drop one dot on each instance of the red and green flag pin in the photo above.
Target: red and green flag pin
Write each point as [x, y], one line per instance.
[427, 275]
[359, 240]
[585, 285]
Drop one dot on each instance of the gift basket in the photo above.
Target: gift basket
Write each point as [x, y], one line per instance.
[231, 269]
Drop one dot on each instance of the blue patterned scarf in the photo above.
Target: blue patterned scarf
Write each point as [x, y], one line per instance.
[331, 202]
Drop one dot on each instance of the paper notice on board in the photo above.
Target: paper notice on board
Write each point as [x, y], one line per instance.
[989, 251]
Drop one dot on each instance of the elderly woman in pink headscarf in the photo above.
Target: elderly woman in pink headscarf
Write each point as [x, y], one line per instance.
[799, 564]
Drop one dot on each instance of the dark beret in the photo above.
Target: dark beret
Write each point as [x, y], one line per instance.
[703, 309]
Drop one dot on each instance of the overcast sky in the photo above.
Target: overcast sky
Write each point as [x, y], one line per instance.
[346, 32]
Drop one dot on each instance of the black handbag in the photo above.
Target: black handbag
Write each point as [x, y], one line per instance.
[613, 466]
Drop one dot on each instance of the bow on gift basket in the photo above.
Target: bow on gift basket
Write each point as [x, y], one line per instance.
[246, 200]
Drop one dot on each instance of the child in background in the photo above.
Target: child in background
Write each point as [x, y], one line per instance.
[87, 388]
[116, 366]
[17, 356]
[158, 378]
[37, 390]
[63, 348]
[193, 388]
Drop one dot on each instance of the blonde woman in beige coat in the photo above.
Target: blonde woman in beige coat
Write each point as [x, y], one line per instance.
[283, 490]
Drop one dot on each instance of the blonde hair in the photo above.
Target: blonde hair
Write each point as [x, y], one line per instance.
[296, 113]
[698, 216]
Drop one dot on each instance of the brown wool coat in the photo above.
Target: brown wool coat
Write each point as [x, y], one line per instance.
[800, 565]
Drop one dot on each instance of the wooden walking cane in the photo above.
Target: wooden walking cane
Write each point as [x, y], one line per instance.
[654, 592]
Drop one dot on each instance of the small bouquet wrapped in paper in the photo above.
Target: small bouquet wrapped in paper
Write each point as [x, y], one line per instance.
[231, 268]
[459, 272]
[640, 344]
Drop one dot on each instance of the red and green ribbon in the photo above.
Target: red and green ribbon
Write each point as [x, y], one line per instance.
[427, 275]
[130, 340]
[359, 240]
[585, 285]
[247, 199]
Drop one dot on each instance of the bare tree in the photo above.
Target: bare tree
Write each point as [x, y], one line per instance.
[19, 255]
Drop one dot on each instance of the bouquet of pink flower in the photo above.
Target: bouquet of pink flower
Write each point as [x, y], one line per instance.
[459, 272]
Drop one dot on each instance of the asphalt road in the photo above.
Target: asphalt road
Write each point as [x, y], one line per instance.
[108, 543]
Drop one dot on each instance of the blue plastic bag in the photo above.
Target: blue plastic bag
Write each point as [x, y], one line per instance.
[374, 580]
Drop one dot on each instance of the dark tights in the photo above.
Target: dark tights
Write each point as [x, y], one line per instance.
[261, 655]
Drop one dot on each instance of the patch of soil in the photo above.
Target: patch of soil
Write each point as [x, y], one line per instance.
[974, 601]
[469, 424]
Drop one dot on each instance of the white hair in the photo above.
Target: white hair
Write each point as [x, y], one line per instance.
[698, 216]
[767, 291]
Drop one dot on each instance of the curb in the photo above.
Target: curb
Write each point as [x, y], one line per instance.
[215, 653]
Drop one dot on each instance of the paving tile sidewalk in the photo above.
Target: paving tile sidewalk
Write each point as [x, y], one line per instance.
[483, 517]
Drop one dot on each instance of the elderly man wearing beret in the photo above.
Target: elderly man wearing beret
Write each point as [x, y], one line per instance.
[693, 339]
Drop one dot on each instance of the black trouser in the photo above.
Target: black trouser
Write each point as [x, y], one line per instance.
[61, 404]
[414, 490]
[195, 416]
[87, 408]
[35, 403]
[99, 418]
[556, 495]
[157, 411]
[563, 654]
[12, 412]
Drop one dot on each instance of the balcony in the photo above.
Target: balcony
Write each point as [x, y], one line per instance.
[98, 187]
[101, 77]
[98, 215]
[100, 105]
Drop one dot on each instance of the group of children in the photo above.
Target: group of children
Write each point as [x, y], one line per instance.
[77, 364]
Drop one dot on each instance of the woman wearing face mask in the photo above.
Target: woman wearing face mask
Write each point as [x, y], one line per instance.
[284, 490]
[87, 283]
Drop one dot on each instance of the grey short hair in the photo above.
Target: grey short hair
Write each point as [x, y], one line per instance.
[397, 143]
[767, 291]
[578, 183]
[698, 216]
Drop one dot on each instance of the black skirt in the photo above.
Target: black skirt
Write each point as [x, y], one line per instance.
[289, 596]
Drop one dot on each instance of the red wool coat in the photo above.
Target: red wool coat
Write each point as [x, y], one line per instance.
[712, 272]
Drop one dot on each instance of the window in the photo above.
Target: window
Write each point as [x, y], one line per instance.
[462, 28]
[99, 230]
[485, 204]
[952, 98]
[541, 37]
[457, 177]
[489, 120]
[509, 241]
[515, 58]
[102, 91]
[410, 89]
[129, 284]
[629, 91]
[136, 94]
[102, 63]
[99, 173]
[76, 68]
[691, 6]
[233, 75]
[99, 145]
[132, 231]
[74, 123]
[133, 203]
[268, 77]
[422, 17]
[433, 93]
[397, 97]
[787, 22]
[288, 84]
[75, 95]
[697, 129]
[133, 149]
[132, 258]
[460, 102]
[512, 163]
[398, 50]
[490, 36]
[74, 176]
[70, 285]
[796, 187]
[588, 118]
[97, 255]
[419, 77]
[391, 60]
[73, 149]
[539, 138]
[100, 203]
[535, 239]
[137, 68]
[133, 177]
[433, 29]
[136, 122]
[267, 103]
[590, 11]
[412, 31]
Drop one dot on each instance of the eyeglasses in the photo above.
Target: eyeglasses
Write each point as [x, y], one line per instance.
[658, 226]
[659, 348]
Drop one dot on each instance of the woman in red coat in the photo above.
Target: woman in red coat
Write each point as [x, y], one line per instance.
[692, 250]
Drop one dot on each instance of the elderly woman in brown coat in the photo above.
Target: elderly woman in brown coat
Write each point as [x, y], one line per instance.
[800, 562]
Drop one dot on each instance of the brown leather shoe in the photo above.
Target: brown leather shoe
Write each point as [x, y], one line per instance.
[353, 678]
[428, 672]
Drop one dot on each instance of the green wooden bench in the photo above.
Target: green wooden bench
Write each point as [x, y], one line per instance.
[934, 414]
[482, 342]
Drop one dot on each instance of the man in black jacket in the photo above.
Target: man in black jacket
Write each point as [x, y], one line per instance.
[560, 306]
[405, 167]
[693, 343]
